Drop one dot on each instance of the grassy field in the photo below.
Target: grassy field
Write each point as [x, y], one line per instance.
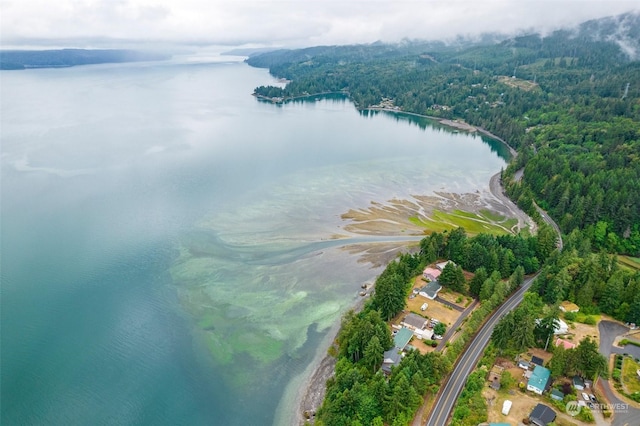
[474, 223]
[526, 85]
[630, 262]
[630, 378]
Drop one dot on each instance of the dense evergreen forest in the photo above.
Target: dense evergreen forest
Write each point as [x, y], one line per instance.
[23, 59]
[359, 393]
[569, 102]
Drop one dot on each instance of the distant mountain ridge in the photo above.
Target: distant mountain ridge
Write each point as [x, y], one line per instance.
[624, 30]
[23, 59]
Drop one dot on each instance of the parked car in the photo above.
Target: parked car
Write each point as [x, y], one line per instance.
[593, 398]
[424, 307]
[585, 396]
[437, 337]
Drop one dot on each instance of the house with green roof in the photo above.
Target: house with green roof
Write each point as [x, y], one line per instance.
[557, 395]
[539, 380]
[402, 338]
[393, 356]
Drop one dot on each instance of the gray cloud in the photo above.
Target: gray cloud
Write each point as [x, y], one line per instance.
[114, 23]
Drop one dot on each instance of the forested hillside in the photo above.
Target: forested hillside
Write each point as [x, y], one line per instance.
[569, 102]
[23, 59]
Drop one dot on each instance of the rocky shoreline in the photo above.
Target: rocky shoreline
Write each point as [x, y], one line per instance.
[315, 386]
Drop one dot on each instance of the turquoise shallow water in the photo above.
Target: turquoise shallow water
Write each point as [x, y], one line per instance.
[166, 238]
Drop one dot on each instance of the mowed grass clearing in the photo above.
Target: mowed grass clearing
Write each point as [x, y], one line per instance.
[630, 377]
[630, 262]
[474, 223]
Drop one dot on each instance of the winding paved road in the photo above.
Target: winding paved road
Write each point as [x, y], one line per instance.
[446, 398]
[466, 363]
[624, 414]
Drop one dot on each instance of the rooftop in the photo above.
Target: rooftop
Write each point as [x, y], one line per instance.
[542, 415]
[432, 273]
[390, 358]
[537, 360]
[565, 343]
[415, 321]
[402, 337]
[441, 265]
[539, 378]
[431, 289]
[567, 306]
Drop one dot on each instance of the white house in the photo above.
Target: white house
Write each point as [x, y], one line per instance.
[430, 291]
[441, 265]
[560, 328]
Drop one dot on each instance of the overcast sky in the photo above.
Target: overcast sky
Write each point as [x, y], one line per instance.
[122, 23]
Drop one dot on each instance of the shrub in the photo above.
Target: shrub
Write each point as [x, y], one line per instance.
[585, 415]
[589, 320]
[570, 316]
[625, 342]
[332, 351]
[616, 375]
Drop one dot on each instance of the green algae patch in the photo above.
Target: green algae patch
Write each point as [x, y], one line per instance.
[257, 312]
[474, 223]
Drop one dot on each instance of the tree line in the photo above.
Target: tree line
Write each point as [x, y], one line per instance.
[360, 394]
[567, 102]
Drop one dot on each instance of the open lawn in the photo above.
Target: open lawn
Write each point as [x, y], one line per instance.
[630, 378]
[421, 346]
[523, 404]
[454, 297]
[525, 85]
[578, 331]
[435, 309]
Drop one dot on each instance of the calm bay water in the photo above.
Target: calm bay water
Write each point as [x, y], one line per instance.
[166, 239]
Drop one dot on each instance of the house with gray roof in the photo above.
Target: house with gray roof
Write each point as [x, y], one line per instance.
[414, 321]
[430, 291]
[542, 415]
[391, 358]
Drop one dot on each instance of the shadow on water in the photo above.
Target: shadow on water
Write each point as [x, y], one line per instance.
[498, 147]
[425, 123]
[336, 97]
